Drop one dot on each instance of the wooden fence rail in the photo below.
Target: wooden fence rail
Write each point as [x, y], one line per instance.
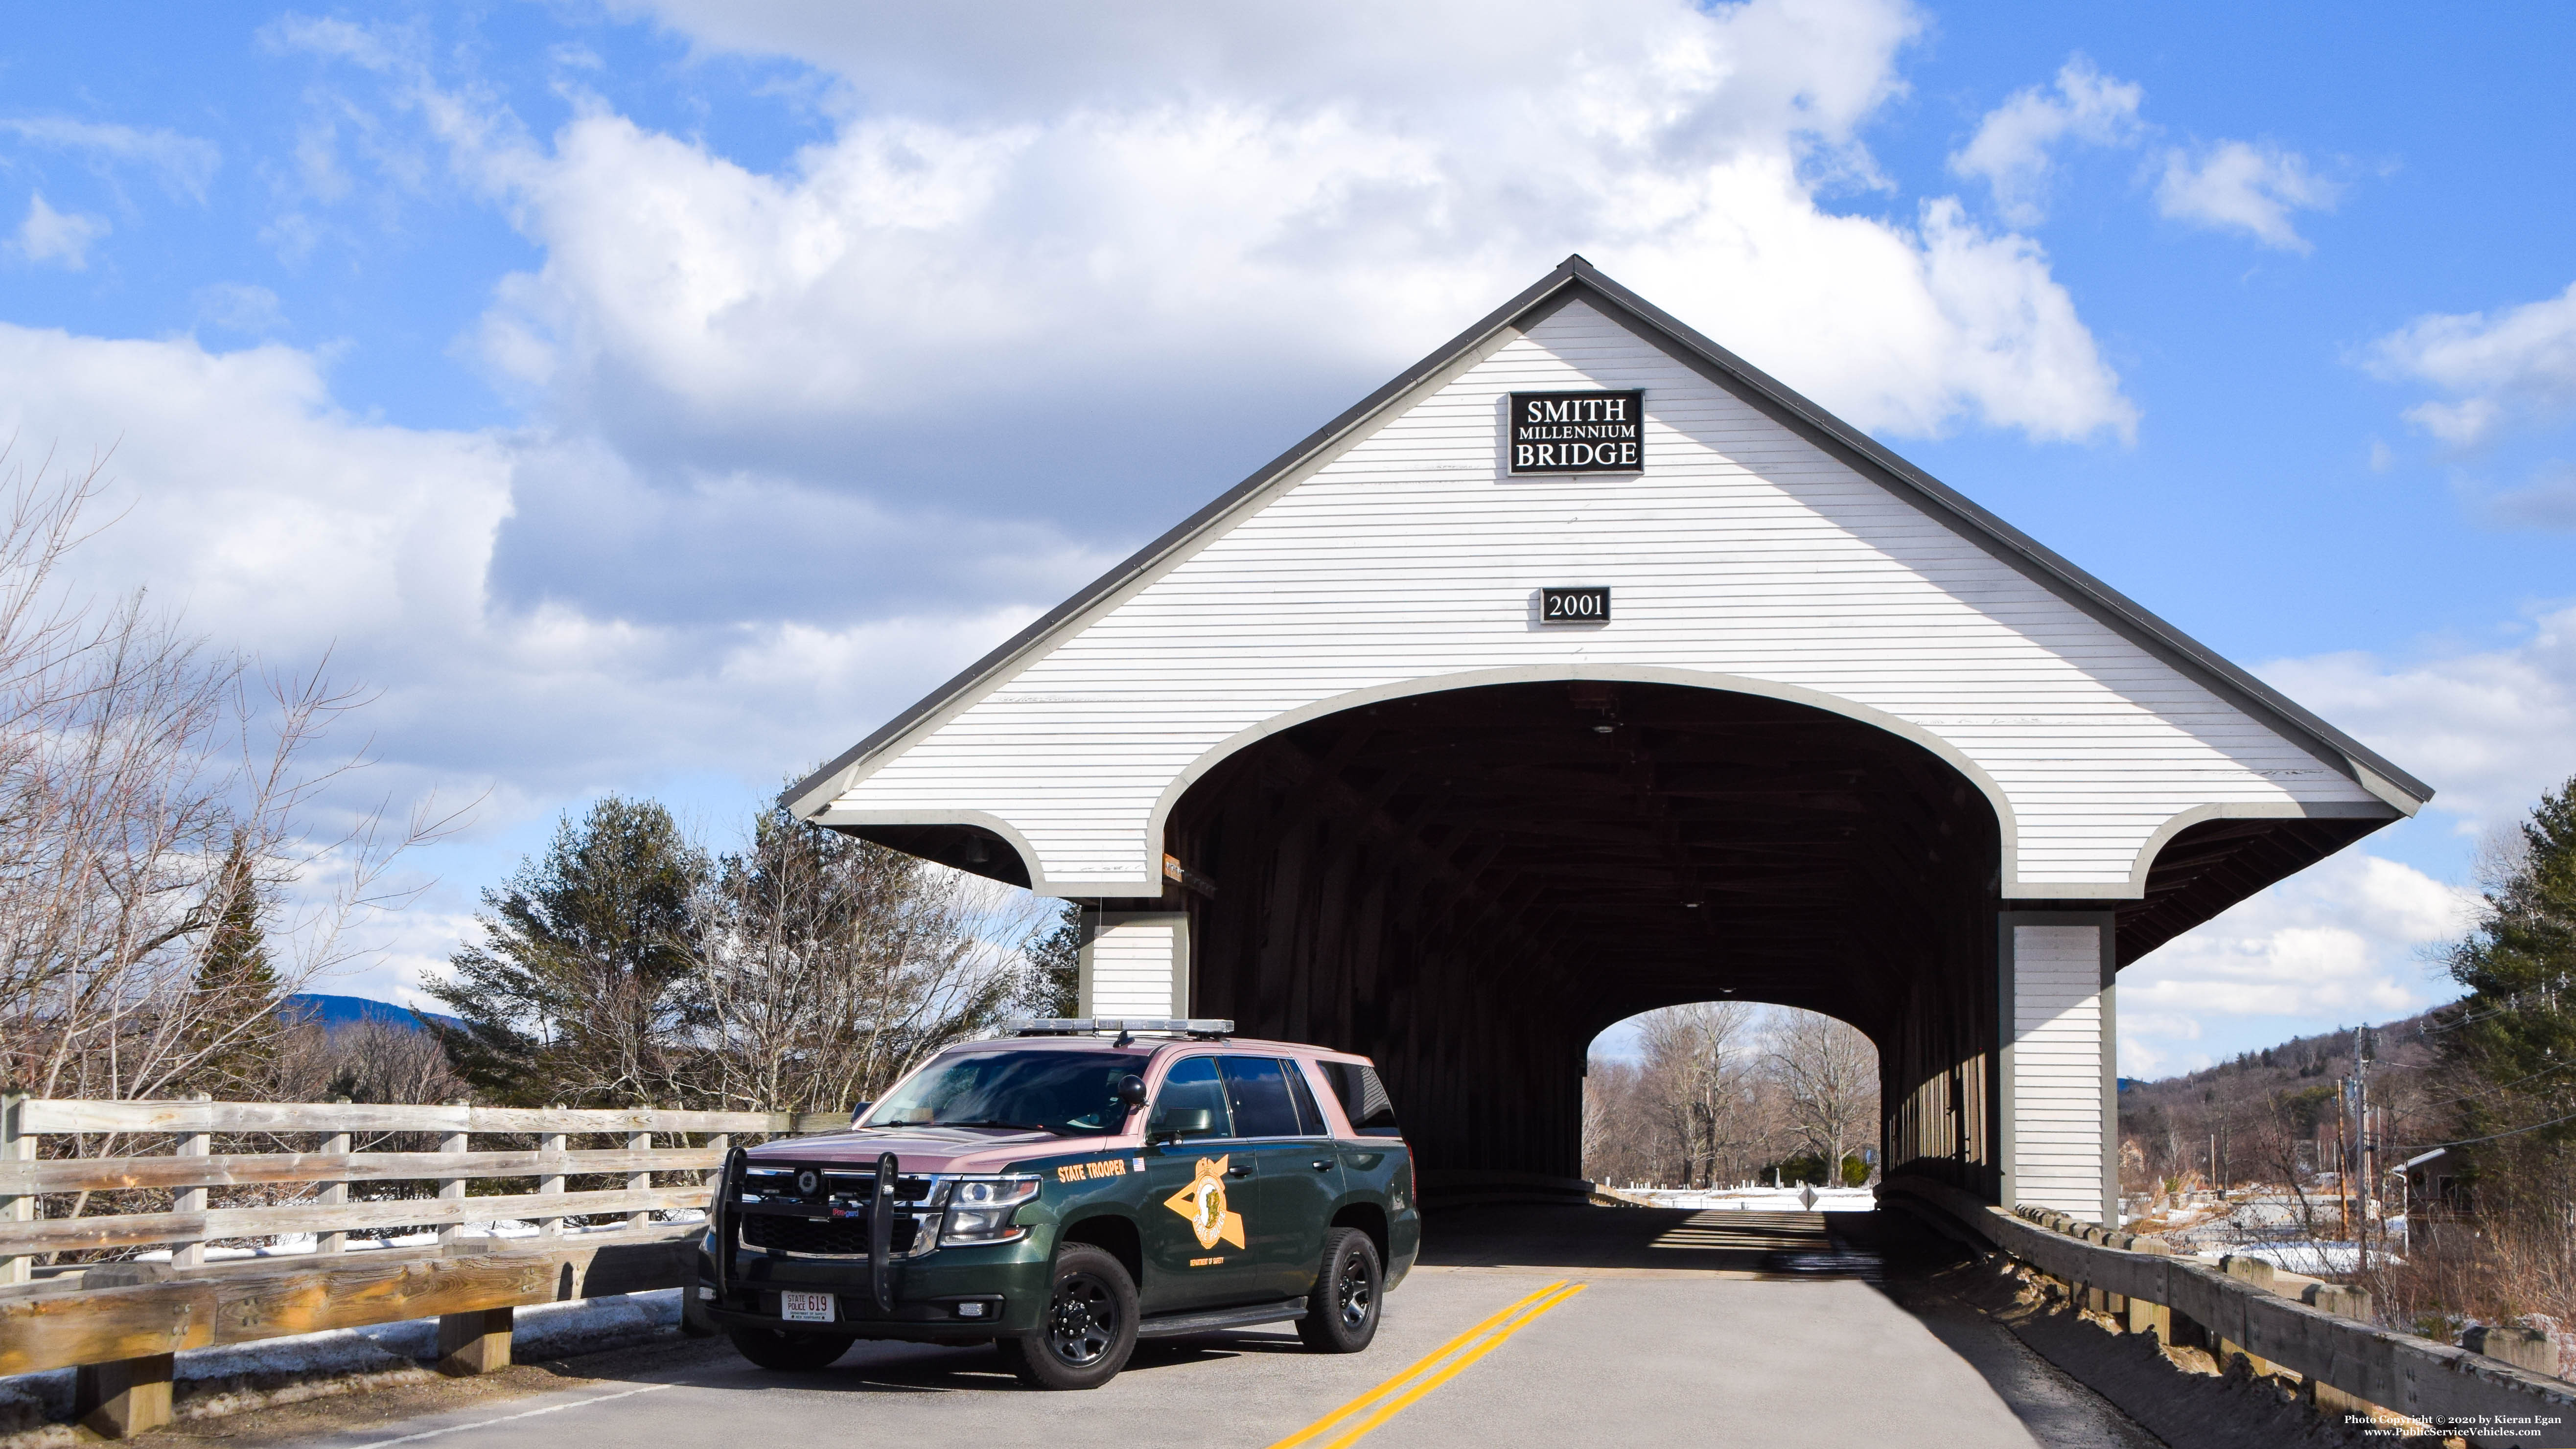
[120, 1323]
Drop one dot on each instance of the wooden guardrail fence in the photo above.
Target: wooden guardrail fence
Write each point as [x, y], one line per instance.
[2349, 1364]
[119, 1322]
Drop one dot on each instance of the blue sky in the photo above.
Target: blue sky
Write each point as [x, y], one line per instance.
[655, 396]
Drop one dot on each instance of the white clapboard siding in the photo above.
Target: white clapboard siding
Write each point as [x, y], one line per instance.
[1744, 557]
[1137, 965]
[2057, 1068]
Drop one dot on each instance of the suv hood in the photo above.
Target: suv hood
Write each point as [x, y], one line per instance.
[929, 1149]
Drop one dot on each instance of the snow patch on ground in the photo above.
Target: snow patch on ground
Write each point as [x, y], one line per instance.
[292, 1245]
[1752, 1199]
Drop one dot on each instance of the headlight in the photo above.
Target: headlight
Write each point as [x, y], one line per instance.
[980, 1209]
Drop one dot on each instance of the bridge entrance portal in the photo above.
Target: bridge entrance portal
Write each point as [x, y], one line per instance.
[1582, 669]
[1469, 884]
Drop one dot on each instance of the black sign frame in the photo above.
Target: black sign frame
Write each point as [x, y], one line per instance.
[1601, 431]
[1584, 604]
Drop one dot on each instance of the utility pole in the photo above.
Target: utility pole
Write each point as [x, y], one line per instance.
[2361, 1144]
[2343, 1162]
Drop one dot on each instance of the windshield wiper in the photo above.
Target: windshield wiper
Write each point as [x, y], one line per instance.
[1014, 1126]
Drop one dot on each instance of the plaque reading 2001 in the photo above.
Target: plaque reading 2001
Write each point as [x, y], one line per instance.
[1578, 432]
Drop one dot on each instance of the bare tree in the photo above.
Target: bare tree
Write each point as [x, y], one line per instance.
[1828, 1072]
[1618, 1124]
[368, 1060]
[148, 785]
[829, 966]
[1703, 1058]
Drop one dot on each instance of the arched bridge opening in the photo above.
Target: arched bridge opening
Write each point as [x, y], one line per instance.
[1468, 885]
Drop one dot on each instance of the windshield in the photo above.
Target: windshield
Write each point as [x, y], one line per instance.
[1073, 1094]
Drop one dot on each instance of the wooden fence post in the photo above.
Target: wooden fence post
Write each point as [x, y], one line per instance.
[191, 1200]
[552, 1145]
[639, 1181]
[334, 1194]
[16, 1146]
[475, 1342]
[451, 1188]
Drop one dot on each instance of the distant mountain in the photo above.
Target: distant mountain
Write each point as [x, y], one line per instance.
[339, 1011]
[2255, 1108]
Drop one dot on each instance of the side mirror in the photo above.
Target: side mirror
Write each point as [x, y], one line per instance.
[1185, 1123]
[1131, 1091]
[858, 1111]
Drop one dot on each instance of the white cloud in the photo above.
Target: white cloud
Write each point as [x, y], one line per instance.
[2239, 186]
[1223, 194]
[2010, 151]
[240, 307]
[2517, 364]
[2547, 501]
[62, 237]
[2339, 943]
[185, 165]
[285, 526]
[2490, 729]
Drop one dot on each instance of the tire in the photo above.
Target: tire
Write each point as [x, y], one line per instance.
[1342, 1312]
[1089, 1327]
[782, 1351]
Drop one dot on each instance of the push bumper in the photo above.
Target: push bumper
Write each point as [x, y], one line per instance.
[954, 1293]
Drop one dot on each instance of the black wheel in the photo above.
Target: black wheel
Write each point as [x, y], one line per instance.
[1341, 1314]
[1089, 1328]
[787, 1352]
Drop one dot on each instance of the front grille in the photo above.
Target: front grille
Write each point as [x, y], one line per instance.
[840, 1238]
[779, 1182]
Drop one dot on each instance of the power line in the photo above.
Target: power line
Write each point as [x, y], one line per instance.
[2472, 1141]
[2489, 1091]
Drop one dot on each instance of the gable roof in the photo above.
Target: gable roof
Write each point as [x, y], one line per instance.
[1576, 278]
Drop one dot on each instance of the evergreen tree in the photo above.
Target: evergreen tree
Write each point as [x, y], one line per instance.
[2517, 1026]
[581, 991]
[232, 1007]
[1055, 967]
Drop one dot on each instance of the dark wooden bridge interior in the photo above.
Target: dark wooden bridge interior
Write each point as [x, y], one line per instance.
[1470, 884]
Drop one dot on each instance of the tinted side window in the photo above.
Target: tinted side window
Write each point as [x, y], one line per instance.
[1259, 1091]
[1364, 1098]
[1192, 1087]
[1310, 1118]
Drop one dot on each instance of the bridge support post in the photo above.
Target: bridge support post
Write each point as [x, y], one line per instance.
[474, 1343]
[122, 1399]
[2058, 1089]
[1135, 963]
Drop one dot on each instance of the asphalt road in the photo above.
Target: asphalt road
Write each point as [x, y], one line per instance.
[1558, 1326]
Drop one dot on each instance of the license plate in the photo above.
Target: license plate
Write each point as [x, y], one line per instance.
[805, 1307]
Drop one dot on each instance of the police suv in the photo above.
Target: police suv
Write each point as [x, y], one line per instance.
[1066, 1191]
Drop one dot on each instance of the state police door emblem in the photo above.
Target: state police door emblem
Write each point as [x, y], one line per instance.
[1203, 1203]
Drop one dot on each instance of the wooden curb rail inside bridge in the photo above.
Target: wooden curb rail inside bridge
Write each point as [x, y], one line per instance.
[2243, 1307]
[119, 1323]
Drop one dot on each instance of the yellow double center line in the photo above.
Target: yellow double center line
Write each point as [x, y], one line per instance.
[1347, 1424]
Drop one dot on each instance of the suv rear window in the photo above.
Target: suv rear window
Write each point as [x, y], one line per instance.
[1364, 1098]
[1263, 1106]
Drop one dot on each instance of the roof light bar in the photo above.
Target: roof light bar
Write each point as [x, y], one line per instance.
[1082, 1025]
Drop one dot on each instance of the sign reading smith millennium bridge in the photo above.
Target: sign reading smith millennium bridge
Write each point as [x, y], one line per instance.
[1579, 432]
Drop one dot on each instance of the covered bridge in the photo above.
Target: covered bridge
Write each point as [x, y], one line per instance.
[1584, 669]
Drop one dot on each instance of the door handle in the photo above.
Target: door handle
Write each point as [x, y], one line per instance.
[1324, 1164]
[1245, 1171]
